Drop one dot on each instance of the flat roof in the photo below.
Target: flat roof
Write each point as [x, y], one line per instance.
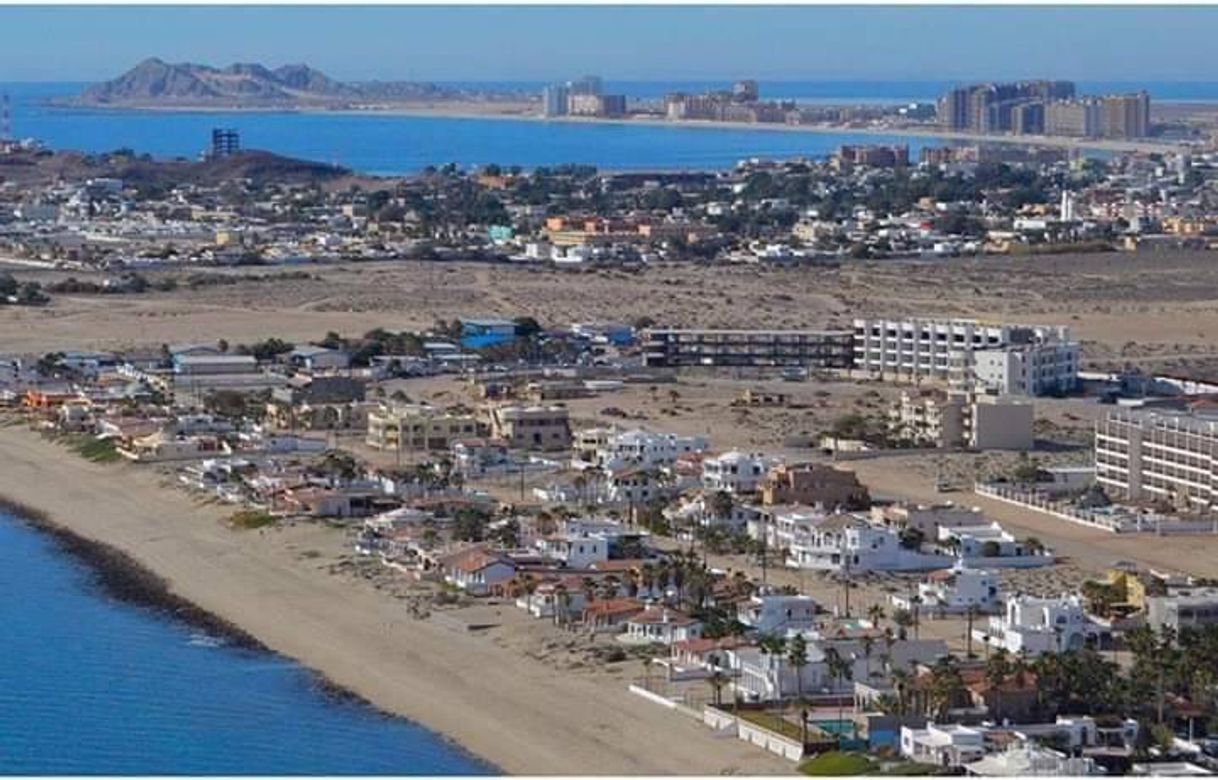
[748, 331]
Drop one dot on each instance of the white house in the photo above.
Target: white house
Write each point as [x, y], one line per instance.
[991, 545]
[736, 472]
[947, 745]
[643, 449]
[762, 676]
[955, 590]
[551, 598]
[575, 550]
[777, 613]
[476, 570]
[633, 486]
[1030, 760]
[663, 625]
[697, 510]
[845, 542]
[1039, 625]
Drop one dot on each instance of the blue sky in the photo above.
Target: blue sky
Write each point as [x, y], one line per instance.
[490, 43]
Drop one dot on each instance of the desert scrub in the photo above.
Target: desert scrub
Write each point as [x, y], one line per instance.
[96, 450]
[249, 520]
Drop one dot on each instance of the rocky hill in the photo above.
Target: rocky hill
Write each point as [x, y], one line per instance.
[155, 83]
[260, 168]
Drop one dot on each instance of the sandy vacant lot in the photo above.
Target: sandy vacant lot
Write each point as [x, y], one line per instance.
[1160, 309]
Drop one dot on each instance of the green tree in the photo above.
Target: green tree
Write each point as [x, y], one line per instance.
[797, 657]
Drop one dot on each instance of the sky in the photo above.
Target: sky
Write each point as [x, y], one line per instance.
[625, 43]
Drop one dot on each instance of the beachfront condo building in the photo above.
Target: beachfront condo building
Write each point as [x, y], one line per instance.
[968, 354]
[1151, 456]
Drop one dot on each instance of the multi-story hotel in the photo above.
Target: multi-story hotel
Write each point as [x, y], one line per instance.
[804, 348]
[1018, 359]
[1153, 456]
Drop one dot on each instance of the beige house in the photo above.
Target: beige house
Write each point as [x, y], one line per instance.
[419, 427]
[532, 427]
[813, 484]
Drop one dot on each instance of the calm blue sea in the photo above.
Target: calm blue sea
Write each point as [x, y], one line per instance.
[397, 145]
[90, 686]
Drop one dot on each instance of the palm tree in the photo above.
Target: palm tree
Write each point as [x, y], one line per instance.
[945, 686]
[903, 619]
[900, 682]
[875, 613]
[797, 657]
[868, 643]
[722, 504]
[562, 602]
[839, 671]
[580, 483]
[773, 645]
[647, 578]
[717, 680]
[610, 587]
[997, 670]
[741, 584]
[589, 589]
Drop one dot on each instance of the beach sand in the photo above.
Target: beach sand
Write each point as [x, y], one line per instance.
[524, 716]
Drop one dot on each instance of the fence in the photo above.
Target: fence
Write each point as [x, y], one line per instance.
[1124, 523]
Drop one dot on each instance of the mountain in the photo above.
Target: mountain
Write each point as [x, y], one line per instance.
[155, 83]
[153, 79]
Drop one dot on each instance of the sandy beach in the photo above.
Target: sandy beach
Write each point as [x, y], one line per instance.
[522, 715]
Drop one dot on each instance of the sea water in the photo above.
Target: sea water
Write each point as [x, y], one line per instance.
[383, 144]
[89, 685]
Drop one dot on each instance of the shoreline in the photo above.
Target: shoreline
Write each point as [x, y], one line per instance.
[514, 713]
[459, 112]
[118, 576]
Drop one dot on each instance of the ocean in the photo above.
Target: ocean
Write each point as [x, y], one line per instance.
[91, 686]
[394, 145]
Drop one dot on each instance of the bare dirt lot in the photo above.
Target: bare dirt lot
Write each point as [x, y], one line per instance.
[1158, 309]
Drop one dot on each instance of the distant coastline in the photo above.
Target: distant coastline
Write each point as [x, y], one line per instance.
[467, 110]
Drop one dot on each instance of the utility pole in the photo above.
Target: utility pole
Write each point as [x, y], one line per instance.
[846, 581]
[968, 636]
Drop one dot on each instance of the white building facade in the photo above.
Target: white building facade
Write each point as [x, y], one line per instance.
[1020, 360]
[1149, 456]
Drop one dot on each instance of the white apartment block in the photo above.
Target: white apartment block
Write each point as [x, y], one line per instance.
[1020, 359]
[1149, 456]
[1042, 368]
